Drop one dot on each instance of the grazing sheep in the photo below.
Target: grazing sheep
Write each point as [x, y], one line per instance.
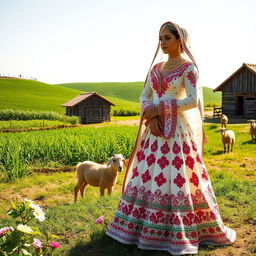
[228, 138]
[97, 175]
[223, 120]
[253, 129]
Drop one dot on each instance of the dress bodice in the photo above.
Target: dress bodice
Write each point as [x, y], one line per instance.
[170, 85]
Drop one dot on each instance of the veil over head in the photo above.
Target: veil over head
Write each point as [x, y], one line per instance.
[197, 114]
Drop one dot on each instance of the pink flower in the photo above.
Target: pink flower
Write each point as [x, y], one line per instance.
[5, 230]
[37, 243]
[100, 219]
[54, 244]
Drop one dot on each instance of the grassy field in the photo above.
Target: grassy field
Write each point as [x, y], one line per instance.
[233, 176]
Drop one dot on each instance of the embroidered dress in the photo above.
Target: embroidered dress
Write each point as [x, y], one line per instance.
[168, 202]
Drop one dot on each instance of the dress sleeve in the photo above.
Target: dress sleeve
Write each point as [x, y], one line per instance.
[171, 107]
[146, 96]
[190, 79]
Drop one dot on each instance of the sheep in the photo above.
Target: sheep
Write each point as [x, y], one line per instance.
[223, 120]
[228, 138]
[253, 129]
[97, 175]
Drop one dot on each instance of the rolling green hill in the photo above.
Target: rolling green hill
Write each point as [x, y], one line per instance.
[34, 95]
[131, 90]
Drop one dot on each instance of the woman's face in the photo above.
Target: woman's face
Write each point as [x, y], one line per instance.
[169, 43]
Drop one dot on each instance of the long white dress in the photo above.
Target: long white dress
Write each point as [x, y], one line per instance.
[168, 203]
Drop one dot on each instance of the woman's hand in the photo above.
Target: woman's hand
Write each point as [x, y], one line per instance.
[155, 126]
[151, 112]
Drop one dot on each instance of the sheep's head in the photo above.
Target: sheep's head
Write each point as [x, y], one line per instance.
[251, 121]
[222, 130]
[117, 161]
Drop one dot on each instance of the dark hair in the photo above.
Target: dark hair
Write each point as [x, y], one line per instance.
[172, 29]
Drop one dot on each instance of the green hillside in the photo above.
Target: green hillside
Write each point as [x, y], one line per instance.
[128, 91]
[131, 90]
[34, 95]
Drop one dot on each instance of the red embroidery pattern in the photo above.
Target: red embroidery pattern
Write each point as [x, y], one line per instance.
[177, 162]
[194, 179]
[146, 177]
[179, 180]
[151, 159]
[169, 117]
[140, 155]
[160, 180]
[165, 148]
[205, 175]
[190, 162]
[175, 148]
[192, 78]
[154, 146]
[135, 172]
[160, 83]
[185, 148]
[163, 162]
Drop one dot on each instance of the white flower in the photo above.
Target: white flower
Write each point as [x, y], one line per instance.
[27, 200]
[25, 229]
[39, 214]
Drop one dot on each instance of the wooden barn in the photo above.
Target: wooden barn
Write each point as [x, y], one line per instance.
[89, 107]
[239, 93]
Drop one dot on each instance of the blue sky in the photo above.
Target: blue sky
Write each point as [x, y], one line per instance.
[61, 41]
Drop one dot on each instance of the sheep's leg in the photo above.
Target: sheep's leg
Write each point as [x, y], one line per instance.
[232, 147]
[228, 147]
[109, 191]
[77, 187]
[102, 191]
[224, 148]
[82, 188]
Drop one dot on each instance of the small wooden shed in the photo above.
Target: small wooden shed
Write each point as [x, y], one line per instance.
[239, 92]
[89, 107]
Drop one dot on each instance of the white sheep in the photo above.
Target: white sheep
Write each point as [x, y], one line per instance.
[97, 175]
[252, 129]
[223, 120]
[228, 138]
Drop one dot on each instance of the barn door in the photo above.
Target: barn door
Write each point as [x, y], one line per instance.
[240, 105]
[93, 115]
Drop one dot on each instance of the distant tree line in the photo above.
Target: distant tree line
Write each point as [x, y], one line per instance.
[20, 76]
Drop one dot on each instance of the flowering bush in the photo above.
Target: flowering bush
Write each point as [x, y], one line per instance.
[24, 239]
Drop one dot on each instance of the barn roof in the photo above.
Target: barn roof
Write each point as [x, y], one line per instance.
[251, 67]
[83, 96]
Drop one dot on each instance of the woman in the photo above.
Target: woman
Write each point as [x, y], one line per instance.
[168, 202]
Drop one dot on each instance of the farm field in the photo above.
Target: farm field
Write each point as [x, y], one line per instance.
[233, 176]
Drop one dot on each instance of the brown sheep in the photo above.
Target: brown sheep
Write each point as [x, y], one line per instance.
[253, 129]
[223, 120]
[97, 175]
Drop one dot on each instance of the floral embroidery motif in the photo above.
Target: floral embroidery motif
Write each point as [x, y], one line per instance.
[194, 179]
[140, 155]
[151, 159]
[177, 162]
[163, 162]
[179, 180]
[135, 172]
[154, 146]
[190, 162]
[185, 148]
[175, 148]
[192, 78]
[160, 180]
[169, 117]
[165, 148]
[146, 177]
